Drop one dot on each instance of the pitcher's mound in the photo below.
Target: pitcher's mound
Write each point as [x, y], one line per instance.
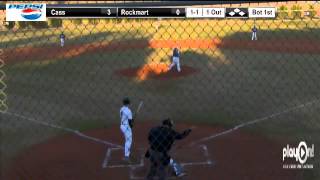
[156, 71]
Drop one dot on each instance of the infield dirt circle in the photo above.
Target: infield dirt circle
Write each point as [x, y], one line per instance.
[238, 155]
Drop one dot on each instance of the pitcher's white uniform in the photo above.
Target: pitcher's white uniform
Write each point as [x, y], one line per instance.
[126, 116]
[175, 60]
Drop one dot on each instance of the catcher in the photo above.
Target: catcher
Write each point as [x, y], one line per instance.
[160, 140]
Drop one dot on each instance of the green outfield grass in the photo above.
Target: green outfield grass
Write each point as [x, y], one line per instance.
[167, 29]
[232, 87]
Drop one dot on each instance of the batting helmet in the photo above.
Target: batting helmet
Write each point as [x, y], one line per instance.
[126, 101]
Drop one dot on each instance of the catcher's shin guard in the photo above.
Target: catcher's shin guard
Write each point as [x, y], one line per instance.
[178, 169]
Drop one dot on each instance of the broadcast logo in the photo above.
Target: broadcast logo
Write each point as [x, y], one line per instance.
[31, 14]
[27, 12]
[300, 154]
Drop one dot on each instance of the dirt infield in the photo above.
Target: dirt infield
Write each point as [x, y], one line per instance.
[155, 71]
[16, 55]
[238, 155]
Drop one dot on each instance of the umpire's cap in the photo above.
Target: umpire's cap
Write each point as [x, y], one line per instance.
[126, 101]
[167, 122]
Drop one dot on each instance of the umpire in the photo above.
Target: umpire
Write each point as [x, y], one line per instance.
[160, 140]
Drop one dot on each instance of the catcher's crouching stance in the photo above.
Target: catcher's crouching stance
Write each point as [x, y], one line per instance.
[160, 140]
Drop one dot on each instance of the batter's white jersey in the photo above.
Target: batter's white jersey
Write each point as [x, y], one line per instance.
[125, 115]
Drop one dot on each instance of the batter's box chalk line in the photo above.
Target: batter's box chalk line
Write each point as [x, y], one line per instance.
[106, 162]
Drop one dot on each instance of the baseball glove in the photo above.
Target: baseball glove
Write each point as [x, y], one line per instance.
[131, 123]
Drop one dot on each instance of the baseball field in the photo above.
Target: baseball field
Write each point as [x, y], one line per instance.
[245, 100]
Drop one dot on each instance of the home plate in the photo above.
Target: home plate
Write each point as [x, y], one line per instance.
[187, 157]
[114, 158]
[197, 155]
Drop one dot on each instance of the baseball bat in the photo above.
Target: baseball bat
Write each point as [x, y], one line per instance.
[135, 116]
[138, 109]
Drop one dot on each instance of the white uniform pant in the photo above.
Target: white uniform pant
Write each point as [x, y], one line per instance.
[254, 36]
[175, 62]
[62, 42]
[126, 130]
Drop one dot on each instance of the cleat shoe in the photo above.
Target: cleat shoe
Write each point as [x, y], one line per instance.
[127, 159]
[181, 174]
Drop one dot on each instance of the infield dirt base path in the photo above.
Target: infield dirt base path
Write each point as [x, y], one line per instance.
[54, 52]
[238, 155]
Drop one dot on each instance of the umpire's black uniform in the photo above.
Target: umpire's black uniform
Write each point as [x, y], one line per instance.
[160, 140]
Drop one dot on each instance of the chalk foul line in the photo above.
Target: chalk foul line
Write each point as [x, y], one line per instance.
[255, 121]
[76, 132]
